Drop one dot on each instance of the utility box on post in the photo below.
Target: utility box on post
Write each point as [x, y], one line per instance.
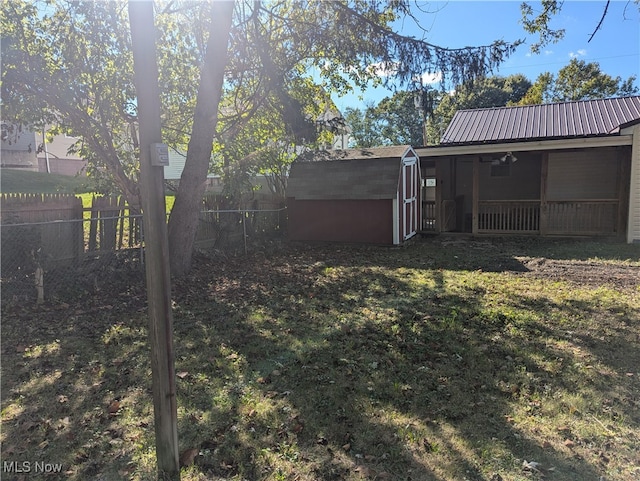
[159, 155]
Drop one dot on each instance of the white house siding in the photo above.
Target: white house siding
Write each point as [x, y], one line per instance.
[176, 164]
[633, 230]
[20, 151]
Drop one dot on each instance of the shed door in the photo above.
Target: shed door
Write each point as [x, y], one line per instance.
[410, 197]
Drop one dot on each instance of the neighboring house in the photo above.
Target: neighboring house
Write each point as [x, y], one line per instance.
[358, 195]
[18, 148]
[568, 169]
[54, 157]
[173, 172]
[27, 150]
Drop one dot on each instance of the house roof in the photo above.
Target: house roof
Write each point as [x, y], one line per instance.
[355, 174]
[387, 152]
[588, 118]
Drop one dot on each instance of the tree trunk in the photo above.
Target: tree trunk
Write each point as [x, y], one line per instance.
[183, 222]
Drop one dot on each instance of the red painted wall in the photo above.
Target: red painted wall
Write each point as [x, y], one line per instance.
[361, 221]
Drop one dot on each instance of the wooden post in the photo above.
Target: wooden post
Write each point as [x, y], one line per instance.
[544, 207]
[624, 174]
[438, 207]
[475, 195]
[156, 241]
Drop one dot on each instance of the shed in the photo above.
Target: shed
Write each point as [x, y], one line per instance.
[355, 195]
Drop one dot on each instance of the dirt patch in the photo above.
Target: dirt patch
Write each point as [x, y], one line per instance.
[583, 272]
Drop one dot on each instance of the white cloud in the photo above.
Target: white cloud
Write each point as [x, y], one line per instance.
[383, 69]
[579, 53]
[431, 78]
[548, 52]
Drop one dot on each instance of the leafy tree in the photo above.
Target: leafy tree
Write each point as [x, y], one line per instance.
[578, 81]
[401, 120]
[69, 64]
[365, 128]
[61, 67]
[538, 92]
[539, 21]
[394, 121]
[493, 91]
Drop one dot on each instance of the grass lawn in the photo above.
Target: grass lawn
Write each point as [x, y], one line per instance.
[17, 181]
[14, 181]
[442, 360]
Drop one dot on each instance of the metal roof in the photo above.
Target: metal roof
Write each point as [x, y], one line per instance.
[587, 118]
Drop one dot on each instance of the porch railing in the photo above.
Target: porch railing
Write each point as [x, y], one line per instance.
[563, 217]
[428, 215]
[509, 216]
[582, 217]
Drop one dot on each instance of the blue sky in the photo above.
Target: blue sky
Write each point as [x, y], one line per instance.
[616, 46]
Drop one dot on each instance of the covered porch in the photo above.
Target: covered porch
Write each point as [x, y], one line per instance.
[547, 188]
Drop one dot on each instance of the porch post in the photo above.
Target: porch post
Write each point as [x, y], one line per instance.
[544, 209]
[624, 174]
[438, 206]
[633, 206]
[475, 195]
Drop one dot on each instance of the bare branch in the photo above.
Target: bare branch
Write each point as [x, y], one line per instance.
[604, 14]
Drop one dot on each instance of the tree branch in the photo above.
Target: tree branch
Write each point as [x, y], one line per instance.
[604, 14]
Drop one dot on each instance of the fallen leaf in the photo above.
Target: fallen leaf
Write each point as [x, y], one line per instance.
[346, 447]
[182, 374]
[114, 407]
[531, 466]
[365, 472]
[188, 456]
[568, 443]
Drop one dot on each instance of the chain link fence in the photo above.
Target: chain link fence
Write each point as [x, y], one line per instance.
[63, 259]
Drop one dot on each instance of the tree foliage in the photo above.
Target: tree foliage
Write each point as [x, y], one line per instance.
[63, 67]
[496, 91]
[396, 120]
[539, 21]
[578, 80]
[68, 64]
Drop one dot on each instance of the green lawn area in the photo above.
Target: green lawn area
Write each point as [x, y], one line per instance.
[447, 359]
[17, 181]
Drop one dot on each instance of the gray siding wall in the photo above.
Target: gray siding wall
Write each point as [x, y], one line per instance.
[522, 183]
[633, 234]
[585, 174]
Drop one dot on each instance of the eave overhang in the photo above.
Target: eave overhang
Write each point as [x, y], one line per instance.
[536, 145]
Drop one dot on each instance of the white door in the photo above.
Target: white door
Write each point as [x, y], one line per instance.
[410, 197]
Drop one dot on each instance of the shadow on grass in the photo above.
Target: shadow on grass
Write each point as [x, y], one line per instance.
[341, 363]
